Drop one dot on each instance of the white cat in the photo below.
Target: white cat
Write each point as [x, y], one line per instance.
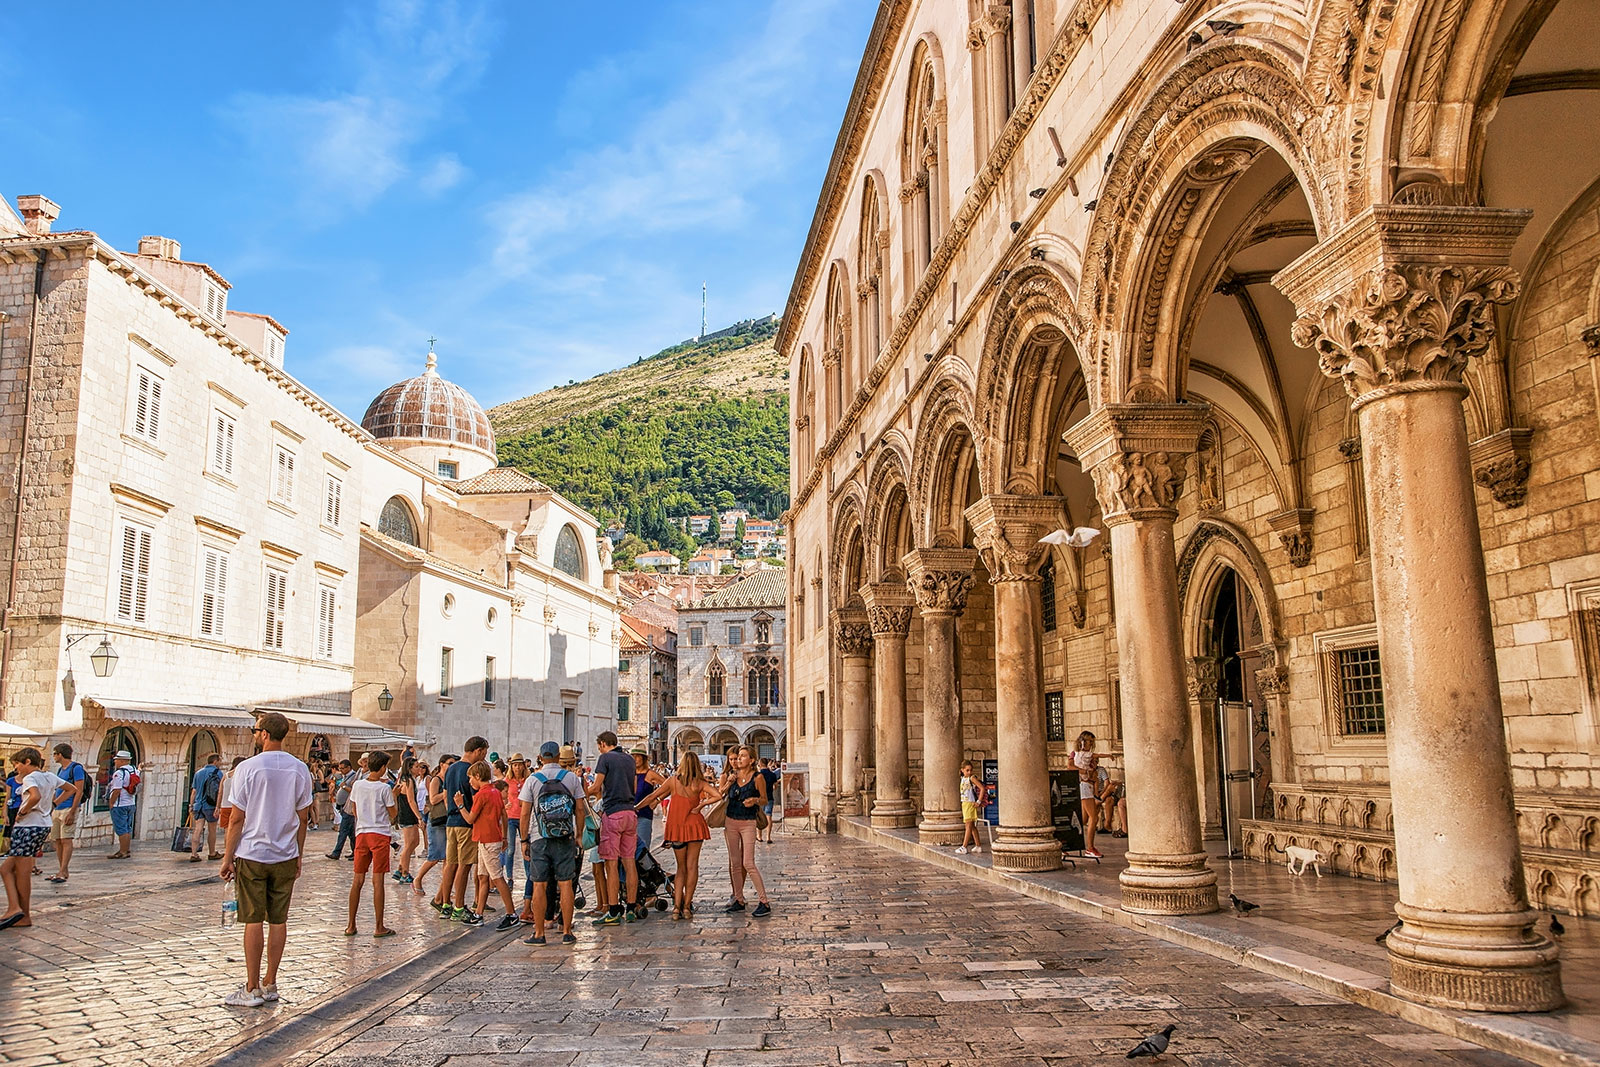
[1301, 855]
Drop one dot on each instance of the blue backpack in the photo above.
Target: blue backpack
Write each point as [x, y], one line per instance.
[553, 807]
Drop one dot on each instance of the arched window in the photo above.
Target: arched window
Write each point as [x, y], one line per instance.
[569, 553]
[761, 682]
[716, 685]
[922, 164]
[804, 404]
[396, 521]
[869, 269]
[118, 739]
[836, 349]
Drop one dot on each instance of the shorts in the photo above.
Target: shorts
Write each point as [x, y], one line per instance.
[553, 857]
[200, 812]
[619, 834]
[489, 859]
[372, 850]
[122, 820]
[1086, 790]
[28, 841]
[223, 815]
[435, 844]
[60, 830]
[969, 811]
[264, 890]
[459, 848]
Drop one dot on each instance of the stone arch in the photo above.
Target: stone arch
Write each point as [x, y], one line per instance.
[944, 454]
[804, 405]
[1029, 360]
[872, 280]
[1215, 546]
[1201, 128]
[924, 160]
[848, 551]
[889, 515]
[836, 345]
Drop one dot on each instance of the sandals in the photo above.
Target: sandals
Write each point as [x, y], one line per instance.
[57, 879]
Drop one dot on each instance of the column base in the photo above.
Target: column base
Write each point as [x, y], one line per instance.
[895, 813]
[1474, 962]
[850, 804]
[941, 828]
[1026, 848]
[1168, 885]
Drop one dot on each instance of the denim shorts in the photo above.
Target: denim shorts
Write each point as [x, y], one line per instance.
[122, 820]
[436, 844]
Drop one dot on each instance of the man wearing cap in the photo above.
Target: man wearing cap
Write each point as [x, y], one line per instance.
[120, 790]
[516, 775]
[551, 856]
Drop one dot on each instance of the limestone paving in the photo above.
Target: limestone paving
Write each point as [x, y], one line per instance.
[869, 957]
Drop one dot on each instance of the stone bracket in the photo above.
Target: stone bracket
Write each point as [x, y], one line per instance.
[1500, 464]
[1293, 528]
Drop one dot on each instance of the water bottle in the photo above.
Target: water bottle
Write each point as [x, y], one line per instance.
[230, 903]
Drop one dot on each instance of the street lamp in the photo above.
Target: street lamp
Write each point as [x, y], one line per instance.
[385, 699]
[104, 657]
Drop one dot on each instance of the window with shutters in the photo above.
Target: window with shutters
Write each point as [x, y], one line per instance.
[333, 502]
[488, 679]
[213, 592]
[275, 608]
[133, 575]
[283, 476]
[146, 422]
[327, 602]
[623, 708]
[447, 661]
[1352, 683]
[216, 302]
[274, 352]
[223, 428]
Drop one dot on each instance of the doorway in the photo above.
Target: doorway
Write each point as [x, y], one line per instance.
[1240, 740]
[201, 745]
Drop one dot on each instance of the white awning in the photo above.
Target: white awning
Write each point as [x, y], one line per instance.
[11, 729]
[388, 739]
[326, 722]
[172, 714]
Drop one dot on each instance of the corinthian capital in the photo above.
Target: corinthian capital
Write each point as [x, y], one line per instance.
[889, 607]
[1404, 295]
[940, 578]
[1138, 455]
[851, 633]
[1008, 527]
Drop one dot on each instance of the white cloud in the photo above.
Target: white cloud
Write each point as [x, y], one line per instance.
[342, 150]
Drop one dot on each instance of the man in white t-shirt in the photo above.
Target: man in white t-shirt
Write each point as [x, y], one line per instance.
[122, 790]
[28, 833]
[271, 799]
[373, 798]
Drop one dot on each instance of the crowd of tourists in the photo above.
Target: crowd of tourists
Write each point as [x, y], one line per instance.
[475, 816]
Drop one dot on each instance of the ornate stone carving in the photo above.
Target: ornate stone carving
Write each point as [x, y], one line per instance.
[1208, 471]
[1500, 464]
[1008, 527]
[1131, 482]
[1203, 676]
[1293, 528]
[889, 607]
[1591, 337]
[852, 634]
[1137, 455]
[549, 614]
[1272, 680]
[940, 578]
[1350, 448]
[1406, 324]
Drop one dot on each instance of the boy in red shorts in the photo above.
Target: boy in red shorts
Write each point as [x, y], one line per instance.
[374, 803]
[488, 819]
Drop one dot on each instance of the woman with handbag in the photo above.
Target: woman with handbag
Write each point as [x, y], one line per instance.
[436, 813]
[687, 830]
[746, 794]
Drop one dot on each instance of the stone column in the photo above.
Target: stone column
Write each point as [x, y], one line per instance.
[889, 614]
[1137, 454]
[939, 579]
[1008, 529]
[853, 638]
[1395, 304]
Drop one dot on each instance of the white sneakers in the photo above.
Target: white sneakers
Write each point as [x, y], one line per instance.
[246, 998]
[961, 849]
[269, 992]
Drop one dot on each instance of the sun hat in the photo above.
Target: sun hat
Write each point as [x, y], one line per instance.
[517, 757]
[123, 753]
[568, 754]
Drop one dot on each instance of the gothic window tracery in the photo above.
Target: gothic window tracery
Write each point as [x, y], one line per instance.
[716, 684]
[761, 681]
[395, 521]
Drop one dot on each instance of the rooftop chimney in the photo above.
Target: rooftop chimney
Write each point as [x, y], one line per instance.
[38, 212]
[159, 247]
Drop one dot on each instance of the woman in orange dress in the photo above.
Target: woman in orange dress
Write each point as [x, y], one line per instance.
[689, 790]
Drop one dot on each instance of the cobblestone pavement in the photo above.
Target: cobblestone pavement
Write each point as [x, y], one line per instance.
[128, 963]
[868, 958]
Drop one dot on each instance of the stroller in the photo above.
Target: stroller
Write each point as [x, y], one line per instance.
[653, 879]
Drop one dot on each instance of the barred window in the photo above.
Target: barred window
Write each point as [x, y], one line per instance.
[1357, 690]
[1048, 595]
[1055, 717]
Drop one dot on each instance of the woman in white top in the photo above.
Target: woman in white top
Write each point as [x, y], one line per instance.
[1087, 762]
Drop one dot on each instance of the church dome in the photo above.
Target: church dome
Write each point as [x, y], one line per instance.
[428, 408]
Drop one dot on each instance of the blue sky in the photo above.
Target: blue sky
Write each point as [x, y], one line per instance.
[541, 185]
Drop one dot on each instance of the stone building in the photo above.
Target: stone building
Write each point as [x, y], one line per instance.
[647, 685]
[1296, 305]
[179, 502]
[732, 669]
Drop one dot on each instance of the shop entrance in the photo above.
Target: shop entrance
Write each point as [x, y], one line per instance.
[1240, 743]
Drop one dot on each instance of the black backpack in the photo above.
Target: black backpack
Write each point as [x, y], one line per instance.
[212, 789]
[553, 807]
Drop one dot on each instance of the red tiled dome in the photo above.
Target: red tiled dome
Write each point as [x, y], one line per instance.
[428, 408]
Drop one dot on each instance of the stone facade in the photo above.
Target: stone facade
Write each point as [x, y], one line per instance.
[731, 654]
[1280, 306]
[649, 683]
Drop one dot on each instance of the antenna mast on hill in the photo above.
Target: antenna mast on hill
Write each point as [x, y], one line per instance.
[702, 311]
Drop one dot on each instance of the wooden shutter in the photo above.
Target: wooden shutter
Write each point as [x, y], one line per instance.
[277, 594]
[325, 606]
[222, 445]
[334, 502]
[214, 594]
[147, 407]
[133, 587]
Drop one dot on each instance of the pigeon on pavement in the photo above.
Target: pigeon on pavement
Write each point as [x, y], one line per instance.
[1078, 538]
[1243, 907]
[1154, 1045]
[1556, 927]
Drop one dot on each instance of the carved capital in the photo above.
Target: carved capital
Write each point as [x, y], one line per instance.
[1202, 679]
[1272, 681]
[1007, 528]
[1591, 337]
[1404, 296]
[1293, 528]
[1500, 464]
[940, 578]
[851, 633]
[889, 607]
[1138, 455]
[1350, 448]
[549, 614]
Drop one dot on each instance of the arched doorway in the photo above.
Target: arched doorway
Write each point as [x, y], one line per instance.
[118, 738]
[1239, 769]
[722, 741]
[201, 745]
[765, 745]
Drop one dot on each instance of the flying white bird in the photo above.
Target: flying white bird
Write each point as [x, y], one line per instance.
[1078, 538]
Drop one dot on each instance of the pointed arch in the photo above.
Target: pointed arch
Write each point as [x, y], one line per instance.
[836, 344]
[924, 160]
[847, 554]
[945, 456]
[873, 285]
[889, 534]
[803, 408]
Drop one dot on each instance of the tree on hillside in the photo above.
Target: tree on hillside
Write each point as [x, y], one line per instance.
[738, 531]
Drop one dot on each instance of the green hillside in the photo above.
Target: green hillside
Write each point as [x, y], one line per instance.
[696, 427]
